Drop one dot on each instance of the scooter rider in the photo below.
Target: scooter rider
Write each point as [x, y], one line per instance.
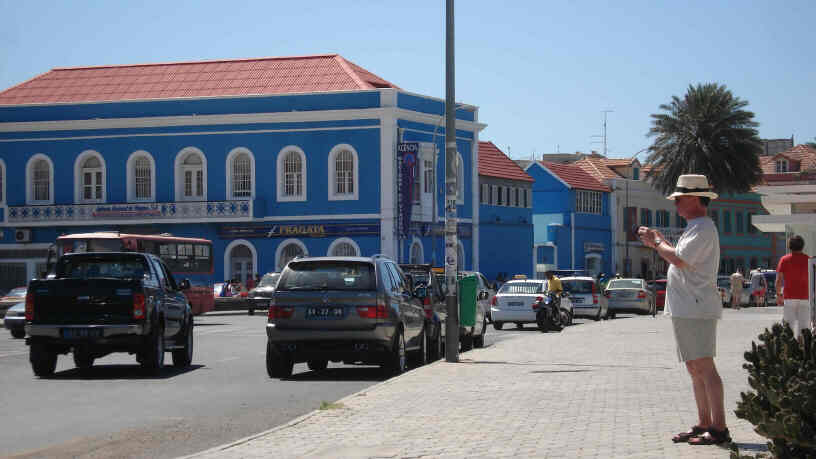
[554, 286]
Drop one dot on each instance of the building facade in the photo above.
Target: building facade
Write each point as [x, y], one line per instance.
[268, 158]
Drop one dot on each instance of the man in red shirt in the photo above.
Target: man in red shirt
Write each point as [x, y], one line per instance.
[792, 272]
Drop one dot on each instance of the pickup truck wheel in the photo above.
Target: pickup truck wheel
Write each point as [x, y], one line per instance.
[278, 365]
[43, 360]
[317, 365]
[498, 325]
[83, 359]
[153, 354]
[479, 341]
[395, 362]
[183, 357]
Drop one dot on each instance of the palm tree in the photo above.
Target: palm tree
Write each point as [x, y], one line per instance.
[707, 132]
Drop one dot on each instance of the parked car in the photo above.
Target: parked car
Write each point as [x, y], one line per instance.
[770, 282]
[258, 297]
[514, 302]
[629, 296]
[11, 298]
[724, 287]
[97, 303]
[15, 320]
[434, 303]
[586, 297]
[658, 288]
[757, 289]
[344, 309]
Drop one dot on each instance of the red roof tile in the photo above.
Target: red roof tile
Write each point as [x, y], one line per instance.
[574, 176]
[597, 168]
[801, 157]
[272, 75]
[494, 163]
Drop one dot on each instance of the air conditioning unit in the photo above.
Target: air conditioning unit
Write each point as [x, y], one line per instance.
[22, 235]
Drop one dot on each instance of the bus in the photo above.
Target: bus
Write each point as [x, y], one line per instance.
[186, 257]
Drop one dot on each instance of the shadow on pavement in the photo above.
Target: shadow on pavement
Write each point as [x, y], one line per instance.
[120, 371]
[561, 371]
[363, 373]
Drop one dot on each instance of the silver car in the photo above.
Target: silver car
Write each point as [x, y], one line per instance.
[586, 297]
[629, 295]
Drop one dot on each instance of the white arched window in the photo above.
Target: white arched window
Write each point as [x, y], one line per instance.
[191, 175]
[240, 260]
[343, 247]
[343, 176]
[40, 178]
[89, 178]
[291, 174]
[141, 177]
[240, 174]
[417, 256]
[287, 251]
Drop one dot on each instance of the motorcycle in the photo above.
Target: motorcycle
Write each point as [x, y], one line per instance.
[549, 314]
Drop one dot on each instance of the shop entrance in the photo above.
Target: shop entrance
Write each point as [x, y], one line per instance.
[241, 264]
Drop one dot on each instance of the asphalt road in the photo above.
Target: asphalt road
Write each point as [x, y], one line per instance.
[116, 411]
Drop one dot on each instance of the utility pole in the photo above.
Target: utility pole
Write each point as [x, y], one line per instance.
[603, 135]
[451, 188]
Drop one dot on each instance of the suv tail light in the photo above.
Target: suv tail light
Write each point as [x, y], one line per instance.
[138, 306]
[29, 307]
[280, 312]
[375, 312]
[493, 301]
[641, 294]
[594, 298]
[538, 301]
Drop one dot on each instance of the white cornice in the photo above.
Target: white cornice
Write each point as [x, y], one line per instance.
[283, 218]
[434, 120]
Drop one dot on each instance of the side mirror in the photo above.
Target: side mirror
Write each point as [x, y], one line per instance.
[421, 292]
[184, 284]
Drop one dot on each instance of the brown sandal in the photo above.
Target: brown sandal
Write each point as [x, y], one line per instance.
[683, 437]
[711, 437]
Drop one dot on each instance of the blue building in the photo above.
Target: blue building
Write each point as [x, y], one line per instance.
[570, 217]
[505, 215]
[269, 158]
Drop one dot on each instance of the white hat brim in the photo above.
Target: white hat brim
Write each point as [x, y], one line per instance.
[705, 194]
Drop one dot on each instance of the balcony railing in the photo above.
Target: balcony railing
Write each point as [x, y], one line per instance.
[85, 213]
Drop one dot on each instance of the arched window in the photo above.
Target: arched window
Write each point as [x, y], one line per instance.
[343, 247]
[191, 175]
[417, 256]
[343, 177]
[240, 260]
[240, 174]
[287, 251]
[40, 177]
[89, 177]
[291, 174]
[141, 177]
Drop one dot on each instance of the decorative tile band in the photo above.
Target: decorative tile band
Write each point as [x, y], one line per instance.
[138, 211]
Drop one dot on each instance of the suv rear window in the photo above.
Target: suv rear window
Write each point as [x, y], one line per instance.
[578, 286]
[328, 275]
[522, 287]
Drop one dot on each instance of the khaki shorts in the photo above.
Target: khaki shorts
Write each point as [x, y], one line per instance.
[695, 338]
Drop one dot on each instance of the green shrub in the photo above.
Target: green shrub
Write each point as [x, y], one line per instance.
[782, 372]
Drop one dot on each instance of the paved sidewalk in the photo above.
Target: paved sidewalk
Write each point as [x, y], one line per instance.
[601, 389]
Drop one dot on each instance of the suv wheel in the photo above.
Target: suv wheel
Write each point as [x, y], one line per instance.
[18, 333]
[498, 325]
[479, 341]
[43, 360]
[435, 347]
[395, 363]
[422, 354]
[278, 365]
[184, 356]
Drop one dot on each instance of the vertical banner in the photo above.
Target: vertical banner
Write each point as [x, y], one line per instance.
[407, 157]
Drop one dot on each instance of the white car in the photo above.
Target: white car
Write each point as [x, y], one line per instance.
[587, 300]
[514, 302]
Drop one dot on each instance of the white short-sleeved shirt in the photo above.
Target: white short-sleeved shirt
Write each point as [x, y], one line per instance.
[691, 292]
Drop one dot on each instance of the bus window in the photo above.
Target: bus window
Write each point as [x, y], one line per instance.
[104, 245]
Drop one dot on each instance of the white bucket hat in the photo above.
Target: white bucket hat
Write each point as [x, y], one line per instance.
[692, 185]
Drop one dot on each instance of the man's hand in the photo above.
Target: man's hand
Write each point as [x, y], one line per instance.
[650, 237]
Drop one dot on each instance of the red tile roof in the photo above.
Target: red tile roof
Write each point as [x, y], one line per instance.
[238, 77]
[575, 176]
[801, 157]
[597, 168]
[494, 163]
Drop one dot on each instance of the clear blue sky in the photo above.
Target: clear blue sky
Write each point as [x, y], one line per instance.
[541, 72]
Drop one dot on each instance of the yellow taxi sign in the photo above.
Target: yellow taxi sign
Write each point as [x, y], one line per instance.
[520, 276]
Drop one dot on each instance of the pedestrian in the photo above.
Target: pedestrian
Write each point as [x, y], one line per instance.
[250, 282]
[736, 289]
[792, 286]
[694, 304]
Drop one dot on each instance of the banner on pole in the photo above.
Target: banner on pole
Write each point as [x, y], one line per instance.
[407, 159]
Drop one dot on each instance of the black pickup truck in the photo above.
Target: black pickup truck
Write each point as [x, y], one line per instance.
[97, 303]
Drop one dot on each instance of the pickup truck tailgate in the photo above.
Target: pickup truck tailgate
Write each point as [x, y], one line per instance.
[84, 301]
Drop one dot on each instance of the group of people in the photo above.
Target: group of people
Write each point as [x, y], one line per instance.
[694, 304]
[233, 287]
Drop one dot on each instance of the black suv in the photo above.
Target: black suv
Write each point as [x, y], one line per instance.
[436, 309]
[344, 309]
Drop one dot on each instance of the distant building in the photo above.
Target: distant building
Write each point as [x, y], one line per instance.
[774, 146]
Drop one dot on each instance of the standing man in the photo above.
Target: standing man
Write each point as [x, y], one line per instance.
[694, 304]
[736, 289]
[792, 273]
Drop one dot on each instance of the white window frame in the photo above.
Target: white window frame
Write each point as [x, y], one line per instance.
[485, 194]
[418, 244]
[588, 202]
[79, 177]
[283, 245]
[228, 274]
[428, 173]
[228, 167]
[2, 181]
[180, 169]
[30, 180]
[782, 166]
[131, 176]
[332, 179]
[343, 240]
[282, 174]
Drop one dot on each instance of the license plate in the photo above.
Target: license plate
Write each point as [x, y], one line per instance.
[515, 303]
[578, 300]
[79, 333]
[327, 312]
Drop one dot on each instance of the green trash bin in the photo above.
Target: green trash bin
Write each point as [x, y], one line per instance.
[467, 301]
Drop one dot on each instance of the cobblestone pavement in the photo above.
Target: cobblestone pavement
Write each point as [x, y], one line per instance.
[601, 389]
